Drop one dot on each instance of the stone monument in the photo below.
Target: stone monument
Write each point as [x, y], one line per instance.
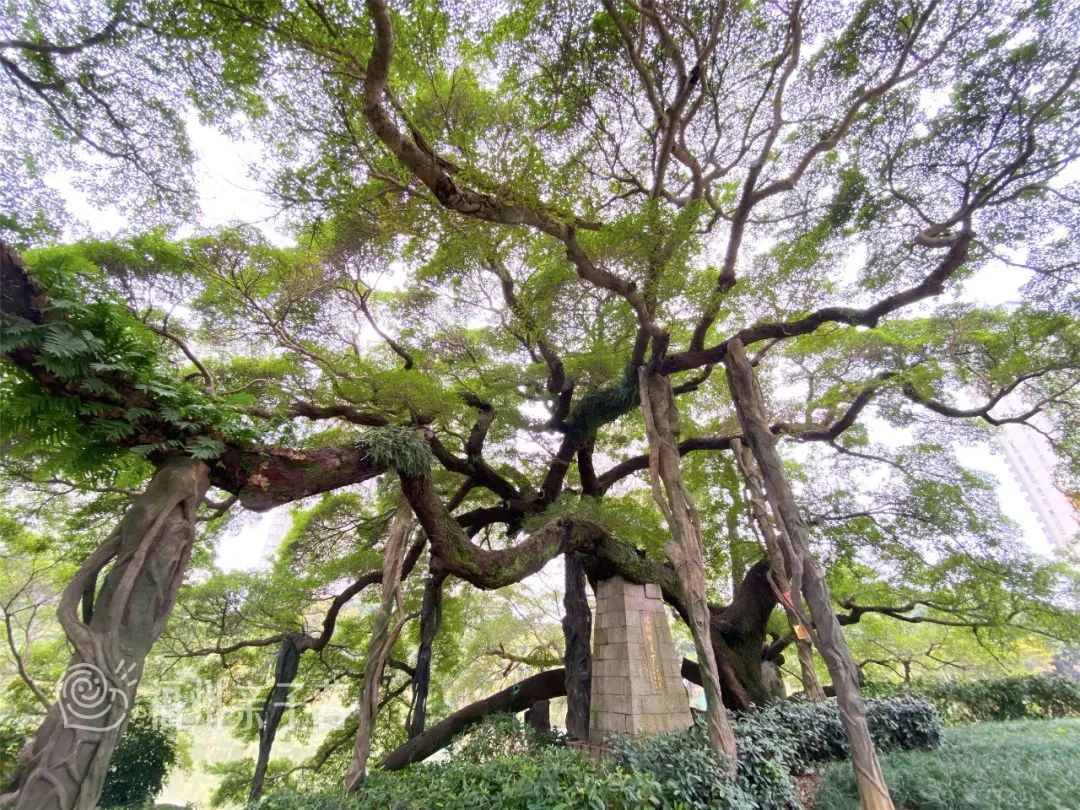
[637, 687]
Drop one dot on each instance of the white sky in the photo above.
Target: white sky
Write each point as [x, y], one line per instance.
[228, 195]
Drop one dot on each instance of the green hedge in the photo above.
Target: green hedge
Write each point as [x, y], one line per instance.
[501, 735]
[557, 777]
[812, 732]
[692, 776]
[502, 765]
[1026, 697]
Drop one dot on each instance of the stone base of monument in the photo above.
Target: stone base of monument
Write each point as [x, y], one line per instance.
[637, 687]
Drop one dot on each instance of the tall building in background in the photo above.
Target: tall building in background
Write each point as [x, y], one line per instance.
[274, 532]
[1031, 461]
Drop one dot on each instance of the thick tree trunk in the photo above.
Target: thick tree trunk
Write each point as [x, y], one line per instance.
[778, 573]
[807, 577]
[519, 697]
[285, 669]
[539, 716]
[768, 678]
[430, 620]
[386, 627]
[577, 650]
[69, 756]
[738, 635]
[685, 551]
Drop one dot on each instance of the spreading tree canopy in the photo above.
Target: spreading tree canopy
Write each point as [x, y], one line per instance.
[667, 288]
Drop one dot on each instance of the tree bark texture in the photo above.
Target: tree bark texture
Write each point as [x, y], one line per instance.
[430, 620]
[150, 548]
[386, 627]
[285, 668]
[685, 550]
[739, 635]
[577, 650]
[807, 576]
[519, 697]
[778, 574]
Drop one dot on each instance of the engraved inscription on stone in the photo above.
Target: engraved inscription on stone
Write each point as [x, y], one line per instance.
[637, 685]
[652, 653]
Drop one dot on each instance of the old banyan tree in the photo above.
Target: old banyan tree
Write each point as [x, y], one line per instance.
[702, 295]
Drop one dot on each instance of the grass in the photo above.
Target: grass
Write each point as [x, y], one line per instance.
[1021, 765]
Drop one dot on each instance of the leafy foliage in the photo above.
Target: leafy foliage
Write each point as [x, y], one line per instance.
[694, 776]
[119, 135]
[147, 752]
[808, 732]
[559, 778]
[503, 764]
[398, 448]
[127, 394]
[1028, 697]
[602, 405]
[501, 735]
[15, 730]
[775, 742]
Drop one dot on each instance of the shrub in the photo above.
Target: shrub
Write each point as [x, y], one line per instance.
[293, 800]
[805, 732]
[688, 772]
[145, 755]
[557, 778]
[800, 731]
[14, 733]
[503, 765]
[500, 735]
[1036, 697]
[904, 724]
